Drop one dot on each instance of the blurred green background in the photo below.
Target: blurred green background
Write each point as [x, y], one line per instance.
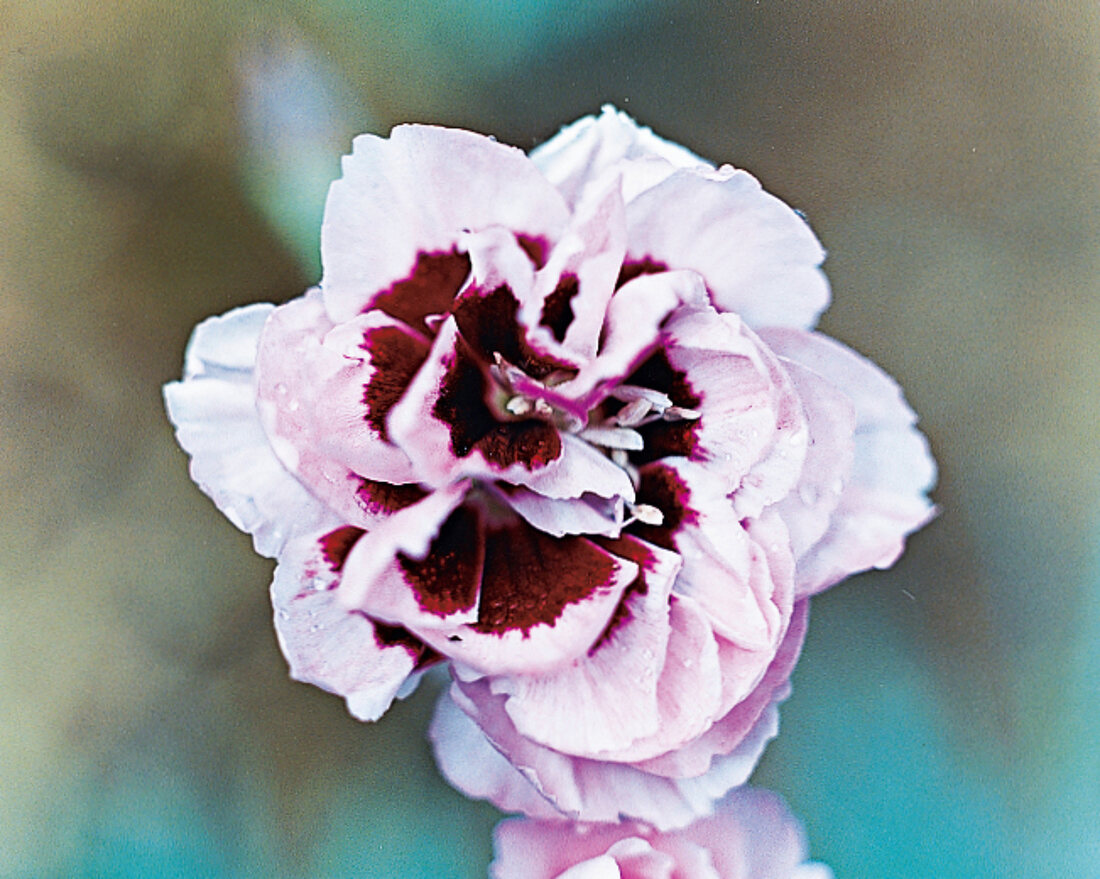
[162, 161]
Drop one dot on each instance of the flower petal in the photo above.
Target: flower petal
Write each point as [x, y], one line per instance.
[323, 393]
[631, 330]
[579, 278]
[725, 570]
[579, 788]
[329, 645]
[612, 143]
[886, 496]
[415, 193]
[217, 423]
[602, 702]
[759, 257]
[747, 725]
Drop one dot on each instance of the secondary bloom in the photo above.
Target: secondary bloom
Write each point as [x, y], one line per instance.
[559, 420]
[751, 835]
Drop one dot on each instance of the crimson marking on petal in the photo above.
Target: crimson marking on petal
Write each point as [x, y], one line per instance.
[336, 545]
[488, 322]
[398, 636]
[557, 310]
[663, 488]
[635, 268]
[383, 498]
[446, 581]
[666, 438]
[395, 356]
[535, 247]
[461, 405]
[531, 577]
[635, 550]
[431, 288]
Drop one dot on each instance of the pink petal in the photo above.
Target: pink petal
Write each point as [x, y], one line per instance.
[587, 514]
[601, 703]
[689, 688]
[579, 278]
[759, 258]
[725, 570]
[415, 193]
[582, 789]
[323, 395]
[612, 143]
[747, 725]
[631, 330]
[751, 432]
[214, 411]
[327, 644]
[885, 498]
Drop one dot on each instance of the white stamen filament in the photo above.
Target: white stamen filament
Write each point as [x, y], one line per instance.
[614, 438]
[632, 413]
[647, 514]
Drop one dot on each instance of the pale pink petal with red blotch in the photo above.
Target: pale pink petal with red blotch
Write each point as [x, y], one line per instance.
[753, 712]
[885, 499]
[610, 144]
[616, 685]
[326, 643]
[631, 331]
[725, 570]
[450, 430]
[323, 393]
[750, 430]
[214, 412]
[573, 289]
[760, 259]
[543, 602]
[415, 193]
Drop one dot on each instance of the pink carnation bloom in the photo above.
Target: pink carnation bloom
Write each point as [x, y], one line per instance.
[559, 420]
[751, 835]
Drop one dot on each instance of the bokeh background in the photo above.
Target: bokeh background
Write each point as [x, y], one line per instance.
[163, 161]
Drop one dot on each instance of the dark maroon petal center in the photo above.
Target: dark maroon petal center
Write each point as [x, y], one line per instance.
[557, 310]
[666, 438]
[431, 288]
[636, 268]
[336, 545]
[531, 577]
[662, 487]
[396, 355]
[447, 579]
[384, 498]
[462, 406]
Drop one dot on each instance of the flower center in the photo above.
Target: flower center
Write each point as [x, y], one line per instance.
[611, 427]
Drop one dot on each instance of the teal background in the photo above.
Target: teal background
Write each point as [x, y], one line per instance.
[161, 161]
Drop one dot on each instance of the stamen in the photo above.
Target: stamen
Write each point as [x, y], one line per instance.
[647, 514]
[676, 413]
[629, 393]
[632, 413]
[614, 438]
[519, 405]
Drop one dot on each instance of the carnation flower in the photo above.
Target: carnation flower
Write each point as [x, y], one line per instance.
[751, 835]
[560, 421]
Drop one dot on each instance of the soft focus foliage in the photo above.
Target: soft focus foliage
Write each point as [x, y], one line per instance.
[945, 153]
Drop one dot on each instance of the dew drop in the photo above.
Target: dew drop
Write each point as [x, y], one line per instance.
[281, 389]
